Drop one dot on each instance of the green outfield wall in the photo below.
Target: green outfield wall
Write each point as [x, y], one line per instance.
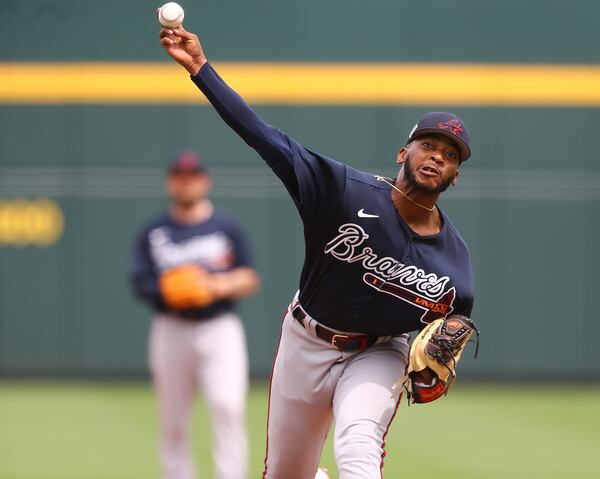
[78, 178]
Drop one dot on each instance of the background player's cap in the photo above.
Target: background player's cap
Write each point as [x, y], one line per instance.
[447, 124]
[188, 161]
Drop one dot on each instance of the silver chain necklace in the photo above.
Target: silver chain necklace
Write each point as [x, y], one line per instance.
[385, 180]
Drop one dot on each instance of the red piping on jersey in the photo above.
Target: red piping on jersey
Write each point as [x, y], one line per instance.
[290, 307]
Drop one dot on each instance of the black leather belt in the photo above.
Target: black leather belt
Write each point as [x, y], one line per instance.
[342, 342]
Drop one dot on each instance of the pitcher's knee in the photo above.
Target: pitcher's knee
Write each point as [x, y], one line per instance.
[358, 450]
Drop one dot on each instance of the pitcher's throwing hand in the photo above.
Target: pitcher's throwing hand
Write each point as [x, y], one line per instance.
[184, 47]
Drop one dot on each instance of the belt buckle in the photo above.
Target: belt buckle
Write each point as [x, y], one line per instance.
[338, 336]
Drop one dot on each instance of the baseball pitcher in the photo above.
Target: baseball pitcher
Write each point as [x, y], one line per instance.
[382, 260]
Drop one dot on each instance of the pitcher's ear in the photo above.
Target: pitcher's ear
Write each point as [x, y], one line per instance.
[401, 158]
[455, 179]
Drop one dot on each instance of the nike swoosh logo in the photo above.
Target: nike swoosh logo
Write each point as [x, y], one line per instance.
[362, 214]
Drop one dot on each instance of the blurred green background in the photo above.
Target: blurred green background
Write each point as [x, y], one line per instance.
[526, 202]
[77, 180]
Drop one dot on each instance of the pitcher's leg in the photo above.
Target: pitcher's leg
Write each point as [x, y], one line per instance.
[225, 384]
[172, 367]
[364, 405]
[300, 397]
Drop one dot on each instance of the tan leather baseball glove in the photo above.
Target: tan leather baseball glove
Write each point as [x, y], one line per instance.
[187, 286]
[433, 357]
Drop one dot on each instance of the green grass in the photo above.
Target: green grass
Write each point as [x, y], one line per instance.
[108, 431]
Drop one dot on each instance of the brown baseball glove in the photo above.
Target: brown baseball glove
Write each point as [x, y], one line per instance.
[433, 357]
[187, 286]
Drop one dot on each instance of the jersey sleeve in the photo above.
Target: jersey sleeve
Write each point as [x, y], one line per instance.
[143, 275]
[311, 179]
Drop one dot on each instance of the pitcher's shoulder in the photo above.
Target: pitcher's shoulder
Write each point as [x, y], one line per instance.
[454, 234]
[366, 178]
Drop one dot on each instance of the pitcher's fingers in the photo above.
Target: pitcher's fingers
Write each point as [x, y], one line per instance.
[183, 33]
[165, 31]
[166, 41]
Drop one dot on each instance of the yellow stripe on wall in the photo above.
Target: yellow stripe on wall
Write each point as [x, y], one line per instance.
[306, 83]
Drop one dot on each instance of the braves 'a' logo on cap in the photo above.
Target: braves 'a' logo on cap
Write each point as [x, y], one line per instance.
[455, 126]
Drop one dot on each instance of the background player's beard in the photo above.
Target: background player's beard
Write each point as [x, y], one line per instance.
[411, 177]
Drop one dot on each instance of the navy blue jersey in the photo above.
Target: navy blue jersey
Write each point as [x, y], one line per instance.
[216, 245]
[365, 270]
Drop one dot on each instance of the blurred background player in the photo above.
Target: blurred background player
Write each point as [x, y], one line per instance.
[190, 265]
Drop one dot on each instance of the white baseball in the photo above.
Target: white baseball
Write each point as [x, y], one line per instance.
[170, 15]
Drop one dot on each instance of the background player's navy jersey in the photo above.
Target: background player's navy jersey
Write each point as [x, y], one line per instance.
[216, 245]
[365, 270]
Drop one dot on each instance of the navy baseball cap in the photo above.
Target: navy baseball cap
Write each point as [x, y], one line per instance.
[188, 161]
[447, 124]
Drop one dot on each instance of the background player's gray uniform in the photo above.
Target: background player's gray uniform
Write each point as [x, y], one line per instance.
[195, 349]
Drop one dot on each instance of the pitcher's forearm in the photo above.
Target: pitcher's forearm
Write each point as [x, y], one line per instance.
[271, 144]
